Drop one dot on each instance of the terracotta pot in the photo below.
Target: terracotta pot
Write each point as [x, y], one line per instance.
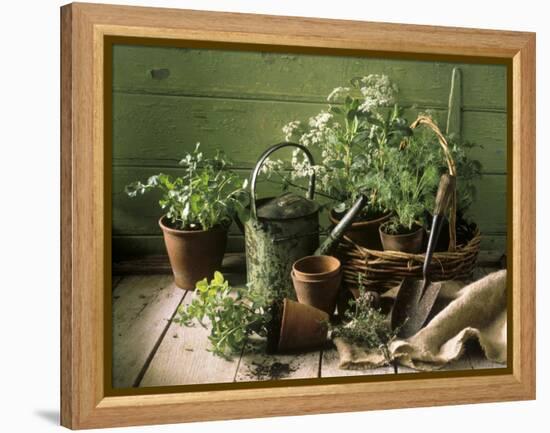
[302, 327]
[365, 232]
[405, 243]
[193, 254]
[317, 280]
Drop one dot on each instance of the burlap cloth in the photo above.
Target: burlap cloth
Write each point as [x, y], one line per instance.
[474, 311]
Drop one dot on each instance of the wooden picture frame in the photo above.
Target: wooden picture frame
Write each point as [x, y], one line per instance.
[85, 261]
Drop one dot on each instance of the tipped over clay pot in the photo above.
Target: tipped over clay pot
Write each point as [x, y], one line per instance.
[317, 280]
[302, 327]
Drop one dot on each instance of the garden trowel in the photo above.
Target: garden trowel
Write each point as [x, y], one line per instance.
[416, 298]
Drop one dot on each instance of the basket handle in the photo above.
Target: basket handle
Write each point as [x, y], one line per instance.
[427, 121]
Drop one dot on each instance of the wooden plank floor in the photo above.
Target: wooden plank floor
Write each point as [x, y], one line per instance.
[150, 350]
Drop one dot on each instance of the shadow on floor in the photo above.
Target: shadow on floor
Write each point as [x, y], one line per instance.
[50, 415]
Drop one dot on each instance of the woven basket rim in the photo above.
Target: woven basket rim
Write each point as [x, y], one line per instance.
[460, 249]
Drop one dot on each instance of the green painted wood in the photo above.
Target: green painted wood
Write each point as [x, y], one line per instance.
[487, 130]
[297, 77]
[163, 128]
[489, 207]
[454, 111]
[495, 242]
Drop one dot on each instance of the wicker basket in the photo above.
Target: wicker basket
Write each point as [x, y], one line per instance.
[382, 270]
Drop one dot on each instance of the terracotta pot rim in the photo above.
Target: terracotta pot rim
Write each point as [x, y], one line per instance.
[403, 235]
[317, 275]
[174, 231]
[361, 223]
[315, 278]
[286, 302]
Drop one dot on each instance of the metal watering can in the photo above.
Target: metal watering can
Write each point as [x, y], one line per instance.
[279, 231]
[284, 229]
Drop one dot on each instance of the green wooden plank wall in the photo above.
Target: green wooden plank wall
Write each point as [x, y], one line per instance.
[167, 99]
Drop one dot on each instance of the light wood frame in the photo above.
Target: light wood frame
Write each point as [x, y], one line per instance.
[84, 403]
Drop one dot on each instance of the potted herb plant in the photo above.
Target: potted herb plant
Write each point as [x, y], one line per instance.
[352, 137]
[199, 207]
[409, 182]
[408, 187]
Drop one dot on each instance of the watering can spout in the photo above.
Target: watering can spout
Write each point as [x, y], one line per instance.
[337, 232]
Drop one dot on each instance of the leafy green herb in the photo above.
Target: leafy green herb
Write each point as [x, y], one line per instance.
[206, 195]
[409, 183]
[232, 314]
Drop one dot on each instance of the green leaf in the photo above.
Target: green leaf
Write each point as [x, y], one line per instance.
[336, 163]
[218, 278]
[335, 110]
[202, 285]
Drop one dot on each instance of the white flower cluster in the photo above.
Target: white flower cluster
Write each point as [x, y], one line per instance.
[301, 166]
[271, 165]
[320, 121]
[339, 165]
[319, 129]
[377, 90]
[290, 128]
[337, 92]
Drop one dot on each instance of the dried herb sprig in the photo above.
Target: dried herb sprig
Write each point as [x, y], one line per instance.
[365, 326]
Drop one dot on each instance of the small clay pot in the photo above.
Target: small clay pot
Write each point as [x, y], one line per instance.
[193, 254]
[303, 327]
[406, 243]
[317, 280]
[364, 232]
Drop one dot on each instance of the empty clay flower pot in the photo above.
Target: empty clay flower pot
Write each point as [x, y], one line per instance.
[193, 254]
[302, 327]
[317, 280]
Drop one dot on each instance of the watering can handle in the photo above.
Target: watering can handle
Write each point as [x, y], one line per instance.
[260, 163]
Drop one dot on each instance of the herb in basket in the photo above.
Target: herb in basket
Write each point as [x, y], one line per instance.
[408, 185]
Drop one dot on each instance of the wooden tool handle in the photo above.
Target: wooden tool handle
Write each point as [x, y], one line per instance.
[444, 193]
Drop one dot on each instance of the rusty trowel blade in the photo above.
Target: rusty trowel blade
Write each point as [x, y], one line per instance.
[411, 308]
